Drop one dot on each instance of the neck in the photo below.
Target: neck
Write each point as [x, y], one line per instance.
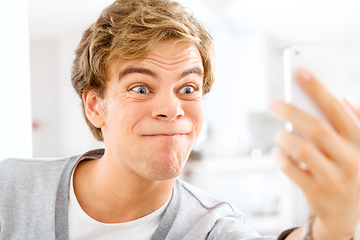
[111, 194]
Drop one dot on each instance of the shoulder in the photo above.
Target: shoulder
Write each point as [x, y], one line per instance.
[28, 193]
[29, 167]
[21, 162]
[27, 175]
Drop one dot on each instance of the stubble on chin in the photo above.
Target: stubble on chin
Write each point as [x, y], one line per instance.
[168, 167]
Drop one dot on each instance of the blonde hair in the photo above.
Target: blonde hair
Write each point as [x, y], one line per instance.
[128, 29]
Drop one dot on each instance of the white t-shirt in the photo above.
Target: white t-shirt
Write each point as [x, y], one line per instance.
[83, 227]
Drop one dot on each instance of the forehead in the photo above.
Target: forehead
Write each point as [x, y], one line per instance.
[168, 55]
[174, 51]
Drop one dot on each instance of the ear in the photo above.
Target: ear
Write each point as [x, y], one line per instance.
[94, 108]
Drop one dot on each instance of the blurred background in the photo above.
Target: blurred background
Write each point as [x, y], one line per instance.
[233, 157]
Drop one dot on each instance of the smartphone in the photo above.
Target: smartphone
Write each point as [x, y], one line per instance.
[321, 62]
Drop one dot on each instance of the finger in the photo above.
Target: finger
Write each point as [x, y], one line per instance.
[339, 117]
[354, 112]
[304, 151]
[299, 176]
[318, 131]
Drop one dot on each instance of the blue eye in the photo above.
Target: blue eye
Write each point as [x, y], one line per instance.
[187, 90]
[140, 89]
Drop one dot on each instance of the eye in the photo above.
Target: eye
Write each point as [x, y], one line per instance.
[140, 89]
[187, 90]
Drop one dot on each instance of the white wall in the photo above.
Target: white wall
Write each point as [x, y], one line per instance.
[61, 129]
[15, 114]
[45, 97]
[241, 87]
[76, 137]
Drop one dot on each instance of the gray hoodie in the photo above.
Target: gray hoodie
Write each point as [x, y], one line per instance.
[34, 196]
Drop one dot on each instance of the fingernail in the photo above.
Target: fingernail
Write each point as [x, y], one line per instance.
[351, 100]
[352, 103]
[304, 75]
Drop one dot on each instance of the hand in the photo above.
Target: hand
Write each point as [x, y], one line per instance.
[331, 154]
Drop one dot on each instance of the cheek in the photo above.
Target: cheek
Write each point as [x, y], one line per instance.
[125, 115]
[195, 111]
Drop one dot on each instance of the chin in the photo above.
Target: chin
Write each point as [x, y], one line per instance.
[167, 168]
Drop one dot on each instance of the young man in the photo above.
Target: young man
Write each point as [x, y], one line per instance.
[141, 71]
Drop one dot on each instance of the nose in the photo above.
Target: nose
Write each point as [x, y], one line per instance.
[168, 108]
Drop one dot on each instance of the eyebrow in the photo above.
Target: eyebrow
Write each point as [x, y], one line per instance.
[196, 70]
[132, 69]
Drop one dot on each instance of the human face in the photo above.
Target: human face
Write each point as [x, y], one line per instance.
[153, 110]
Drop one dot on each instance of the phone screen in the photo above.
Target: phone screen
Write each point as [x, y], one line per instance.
[319, 60]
